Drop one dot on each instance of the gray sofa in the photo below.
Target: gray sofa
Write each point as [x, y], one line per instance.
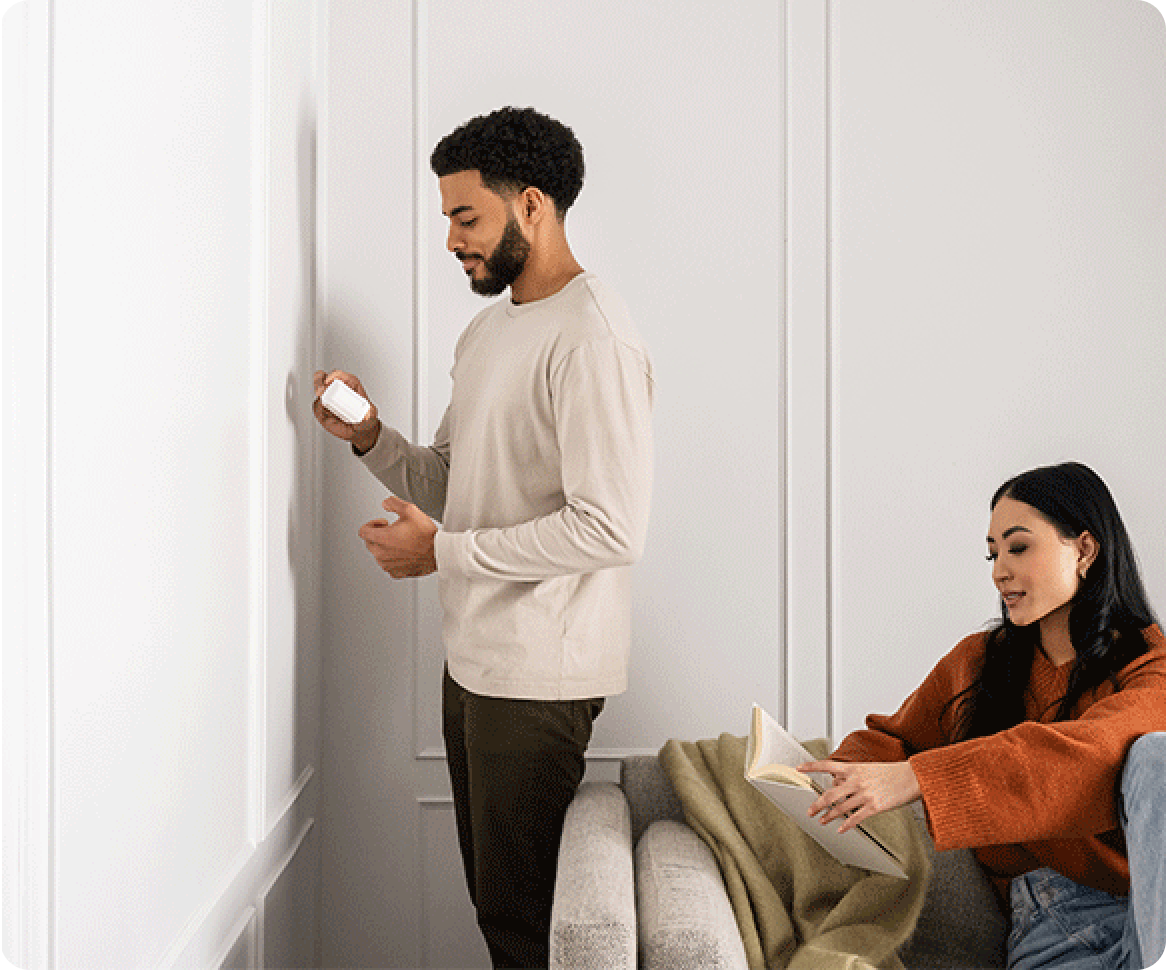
[637, 888]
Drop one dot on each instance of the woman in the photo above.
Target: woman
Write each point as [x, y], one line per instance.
[1017, 740]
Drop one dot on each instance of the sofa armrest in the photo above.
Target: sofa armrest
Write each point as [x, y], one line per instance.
[593, 916]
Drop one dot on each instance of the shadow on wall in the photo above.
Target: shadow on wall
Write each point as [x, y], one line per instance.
[302, 515]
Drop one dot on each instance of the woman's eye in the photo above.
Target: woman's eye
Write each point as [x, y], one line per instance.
[1017, 550]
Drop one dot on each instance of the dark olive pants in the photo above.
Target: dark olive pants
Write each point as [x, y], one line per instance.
[514, 766]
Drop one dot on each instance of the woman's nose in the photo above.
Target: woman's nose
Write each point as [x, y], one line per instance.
[999, 570]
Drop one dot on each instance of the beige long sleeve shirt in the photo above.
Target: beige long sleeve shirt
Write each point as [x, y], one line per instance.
[541, 475]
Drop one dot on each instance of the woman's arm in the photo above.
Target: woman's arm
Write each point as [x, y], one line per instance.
[923, 720]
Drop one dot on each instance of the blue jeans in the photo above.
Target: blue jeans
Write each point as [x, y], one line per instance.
[1057, 923]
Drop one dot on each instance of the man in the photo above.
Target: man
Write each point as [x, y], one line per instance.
[540, 473]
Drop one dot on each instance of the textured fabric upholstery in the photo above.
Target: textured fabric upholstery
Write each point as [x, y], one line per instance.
[685, 919]
[649, 792]
[594, 922]
[962, 924]
[593, 919]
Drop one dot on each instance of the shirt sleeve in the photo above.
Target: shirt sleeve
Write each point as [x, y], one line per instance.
[1041, 781]
[602, 397]
[416, 473]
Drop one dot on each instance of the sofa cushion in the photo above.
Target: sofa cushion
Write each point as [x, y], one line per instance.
[649, 792]
[685, 919]
[962, 923]
[593, 917]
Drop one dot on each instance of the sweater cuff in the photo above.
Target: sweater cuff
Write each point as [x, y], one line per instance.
[383, 453]
[956, 803]
[452, 552]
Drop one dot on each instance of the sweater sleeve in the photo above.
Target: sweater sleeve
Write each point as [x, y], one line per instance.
[416, 473]
[1040, 781]
[602, 398]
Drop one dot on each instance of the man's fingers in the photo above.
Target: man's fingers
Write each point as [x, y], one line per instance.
[404, 510]
[368, 531]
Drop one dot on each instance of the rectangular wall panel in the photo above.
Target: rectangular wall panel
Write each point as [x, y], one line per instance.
[291, 657]
[999, 295]
[369, 778]
[290, 909]
[447, 934]
[175, 668]
[151, 467]
[682, 213]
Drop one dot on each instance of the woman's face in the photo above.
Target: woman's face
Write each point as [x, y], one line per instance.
[1036, 570]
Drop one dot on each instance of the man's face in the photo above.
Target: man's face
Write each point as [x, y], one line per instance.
[483, 233]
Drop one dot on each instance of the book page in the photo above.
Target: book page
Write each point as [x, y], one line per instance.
[771, 757]
[785, 775]
[770, 744]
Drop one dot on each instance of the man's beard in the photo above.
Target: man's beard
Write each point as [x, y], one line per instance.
[505, 264]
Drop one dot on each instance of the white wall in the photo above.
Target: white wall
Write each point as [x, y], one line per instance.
[692, 239]
[812, 211]
[161, 665]
[839, 226]
[998, 302]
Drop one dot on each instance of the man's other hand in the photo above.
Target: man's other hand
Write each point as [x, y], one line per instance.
[404, 548]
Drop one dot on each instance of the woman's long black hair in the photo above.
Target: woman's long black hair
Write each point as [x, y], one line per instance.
[1106, 616]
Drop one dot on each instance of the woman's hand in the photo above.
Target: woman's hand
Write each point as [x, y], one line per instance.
[863, 789]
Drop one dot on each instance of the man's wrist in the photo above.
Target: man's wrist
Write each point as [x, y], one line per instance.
[363, 444]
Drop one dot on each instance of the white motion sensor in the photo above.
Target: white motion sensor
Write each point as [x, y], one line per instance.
[345, 403]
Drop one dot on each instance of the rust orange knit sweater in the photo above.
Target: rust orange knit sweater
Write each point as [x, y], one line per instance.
[1042, 793]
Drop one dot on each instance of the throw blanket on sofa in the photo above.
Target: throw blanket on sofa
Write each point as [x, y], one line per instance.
[796, 905]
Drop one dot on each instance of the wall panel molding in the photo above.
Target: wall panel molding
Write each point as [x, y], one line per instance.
[291, 798]
[214, 927]
[241, 951]
[807, 373]
[260, 416]
[419, 428]
[196, 927]
[447, 934]
[288, 935]
[30, 746]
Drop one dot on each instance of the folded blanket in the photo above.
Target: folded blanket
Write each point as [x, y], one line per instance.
[796, 905]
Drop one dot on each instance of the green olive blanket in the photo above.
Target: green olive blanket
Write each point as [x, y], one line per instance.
[797, 907]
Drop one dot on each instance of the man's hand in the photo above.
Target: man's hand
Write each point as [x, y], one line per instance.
[363, 435]
[861, 790]
[404, 548]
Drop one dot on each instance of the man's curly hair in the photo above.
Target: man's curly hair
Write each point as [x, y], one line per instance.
[514, 148]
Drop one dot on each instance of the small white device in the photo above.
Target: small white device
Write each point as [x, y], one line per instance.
[345, 403]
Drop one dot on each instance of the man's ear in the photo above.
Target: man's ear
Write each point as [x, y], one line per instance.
[533, 205]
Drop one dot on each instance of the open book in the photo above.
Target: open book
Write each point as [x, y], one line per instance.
[771, 760]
